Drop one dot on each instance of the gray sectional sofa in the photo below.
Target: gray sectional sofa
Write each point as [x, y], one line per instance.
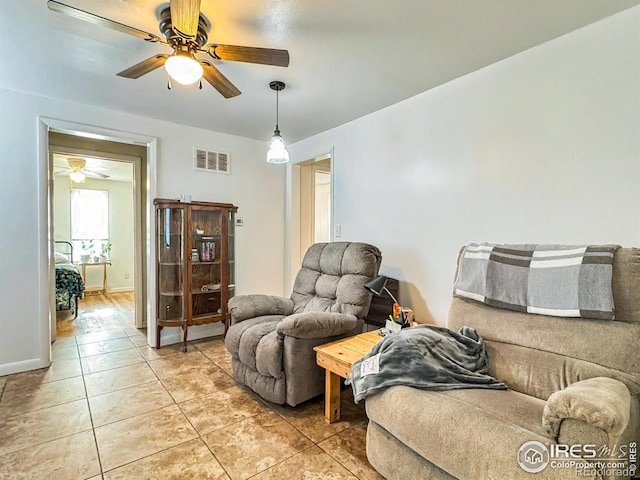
[477, 434]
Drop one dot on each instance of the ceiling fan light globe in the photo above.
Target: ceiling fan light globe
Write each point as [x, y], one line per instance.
[183, 69]
[77, 177]
[277, 152]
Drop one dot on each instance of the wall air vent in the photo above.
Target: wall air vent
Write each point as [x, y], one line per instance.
[207, 161]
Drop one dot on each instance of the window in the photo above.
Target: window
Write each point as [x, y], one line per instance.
[89, 221]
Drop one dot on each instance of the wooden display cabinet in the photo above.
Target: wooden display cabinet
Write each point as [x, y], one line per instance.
[195, 264]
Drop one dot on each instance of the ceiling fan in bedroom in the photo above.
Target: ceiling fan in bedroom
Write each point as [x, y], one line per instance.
[185, 31]
[77, 171]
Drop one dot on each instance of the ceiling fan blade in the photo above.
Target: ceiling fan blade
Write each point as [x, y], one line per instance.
[185, 15]
[235, 53]
[144, 66]
[102, 21]
[92, 174]
[62, 172]
[219, 81]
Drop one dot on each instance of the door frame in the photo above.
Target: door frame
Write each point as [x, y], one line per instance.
[138, 237]
[293, 255]
[46, 280]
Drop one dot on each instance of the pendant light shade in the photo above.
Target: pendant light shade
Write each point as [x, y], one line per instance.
[277, 151]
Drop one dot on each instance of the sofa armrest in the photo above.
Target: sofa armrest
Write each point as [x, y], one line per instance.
[317, 324]
[243, 307]
[601, 402]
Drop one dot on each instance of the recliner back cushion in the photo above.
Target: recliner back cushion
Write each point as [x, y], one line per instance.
[333, 276]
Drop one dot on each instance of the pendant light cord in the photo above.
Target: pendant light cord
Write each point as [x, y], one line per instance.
[277, 108]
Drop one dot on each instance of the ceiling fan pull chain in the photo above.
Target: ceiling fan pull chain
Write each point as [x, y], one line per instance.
[200, 87]
[168, 83]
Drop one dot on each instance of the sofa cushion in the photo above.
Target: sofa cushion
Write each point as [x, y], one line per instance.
[463, 424]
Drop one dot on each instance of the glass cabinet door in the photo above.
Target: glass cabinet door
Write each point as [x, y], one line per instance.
[232, 255]
[170, 267]
[205, 255]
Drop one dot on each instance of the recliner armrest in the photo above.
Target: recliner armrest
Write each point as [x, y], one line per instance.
[602, 402]
[317, 324]
[244, 307]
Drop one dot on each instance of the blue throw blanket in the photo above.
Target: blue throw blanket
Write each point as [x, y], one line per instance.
[424, 357]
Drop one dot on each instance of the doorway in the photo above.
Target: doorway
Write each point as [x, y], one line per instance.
[102, 217]
[315, 202]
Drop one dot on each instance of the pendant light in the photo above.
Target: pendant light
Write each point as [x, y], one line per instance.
[277, 152]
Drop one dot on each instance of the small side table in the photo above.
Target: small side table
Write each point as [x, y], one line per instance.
[337, 358]
[103, 290]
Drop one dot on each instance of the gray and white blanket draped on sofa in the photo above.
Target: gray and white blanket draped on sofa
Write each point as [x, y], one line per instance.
[557, 280]
[425, 357]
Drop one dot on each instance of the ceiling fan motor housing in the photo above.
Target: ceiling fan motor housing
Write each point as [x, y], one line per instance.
[76, 163]
[166, 27]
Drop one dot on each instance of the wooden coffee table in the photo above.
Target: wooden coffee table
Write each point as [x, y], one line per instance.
[337, 358]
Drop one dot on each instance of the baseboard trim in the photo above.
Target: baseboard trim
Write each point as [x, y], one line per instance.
[22, 366]
[120, 289]
[171, 335]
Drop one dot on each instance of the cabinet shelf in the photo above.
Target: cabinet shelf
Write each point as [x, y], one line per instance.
[179, 293]
[203, 292]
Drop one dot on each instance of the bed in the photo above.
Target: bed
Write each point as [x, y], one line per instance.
[69, 284]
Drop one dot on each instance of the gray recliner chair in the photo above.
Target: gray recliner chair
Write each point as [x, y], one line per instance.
[271, 338]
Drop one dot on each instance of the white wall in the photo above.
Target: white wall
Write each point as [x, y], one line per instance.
[543, 147]
[254, 186]
[121, 228]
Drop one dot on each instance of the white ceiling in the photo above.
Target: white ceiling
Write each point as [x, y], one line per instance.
[117, 171]
[348, 57]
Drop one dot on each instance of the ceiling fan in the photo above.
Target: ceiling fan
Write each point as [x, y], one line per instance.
[185, 30]
[77, 171]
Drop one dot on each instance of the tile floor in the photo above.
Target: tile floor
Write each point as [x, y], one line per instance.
[111, 408]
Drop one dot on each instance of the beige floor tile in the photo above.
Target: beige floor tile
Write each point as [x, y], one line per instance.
[66, 458]
[97, 477]
[309, 416]
[221, 409]
[28, 399]
[129, 402]
[311, 463]
[118, 378]
[190, 460]
[63, 342]
[3, 381]
[197, 382]
[58, 370]
[150, 353]
[349, 448]
[65, 353]
[170, 366]
[33, 428]
[255, 444]
[135, 332]
[208, 343]
[100, 336]
[137, 437]
[139, 341]
[218, 354]
[105, 346]
[106, 361]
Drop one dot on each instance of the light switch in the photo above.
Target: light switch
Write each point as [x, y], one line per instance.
[338, 231]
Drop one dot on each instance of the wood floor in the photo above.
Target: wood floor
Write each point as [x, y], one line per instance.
[98, 313]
